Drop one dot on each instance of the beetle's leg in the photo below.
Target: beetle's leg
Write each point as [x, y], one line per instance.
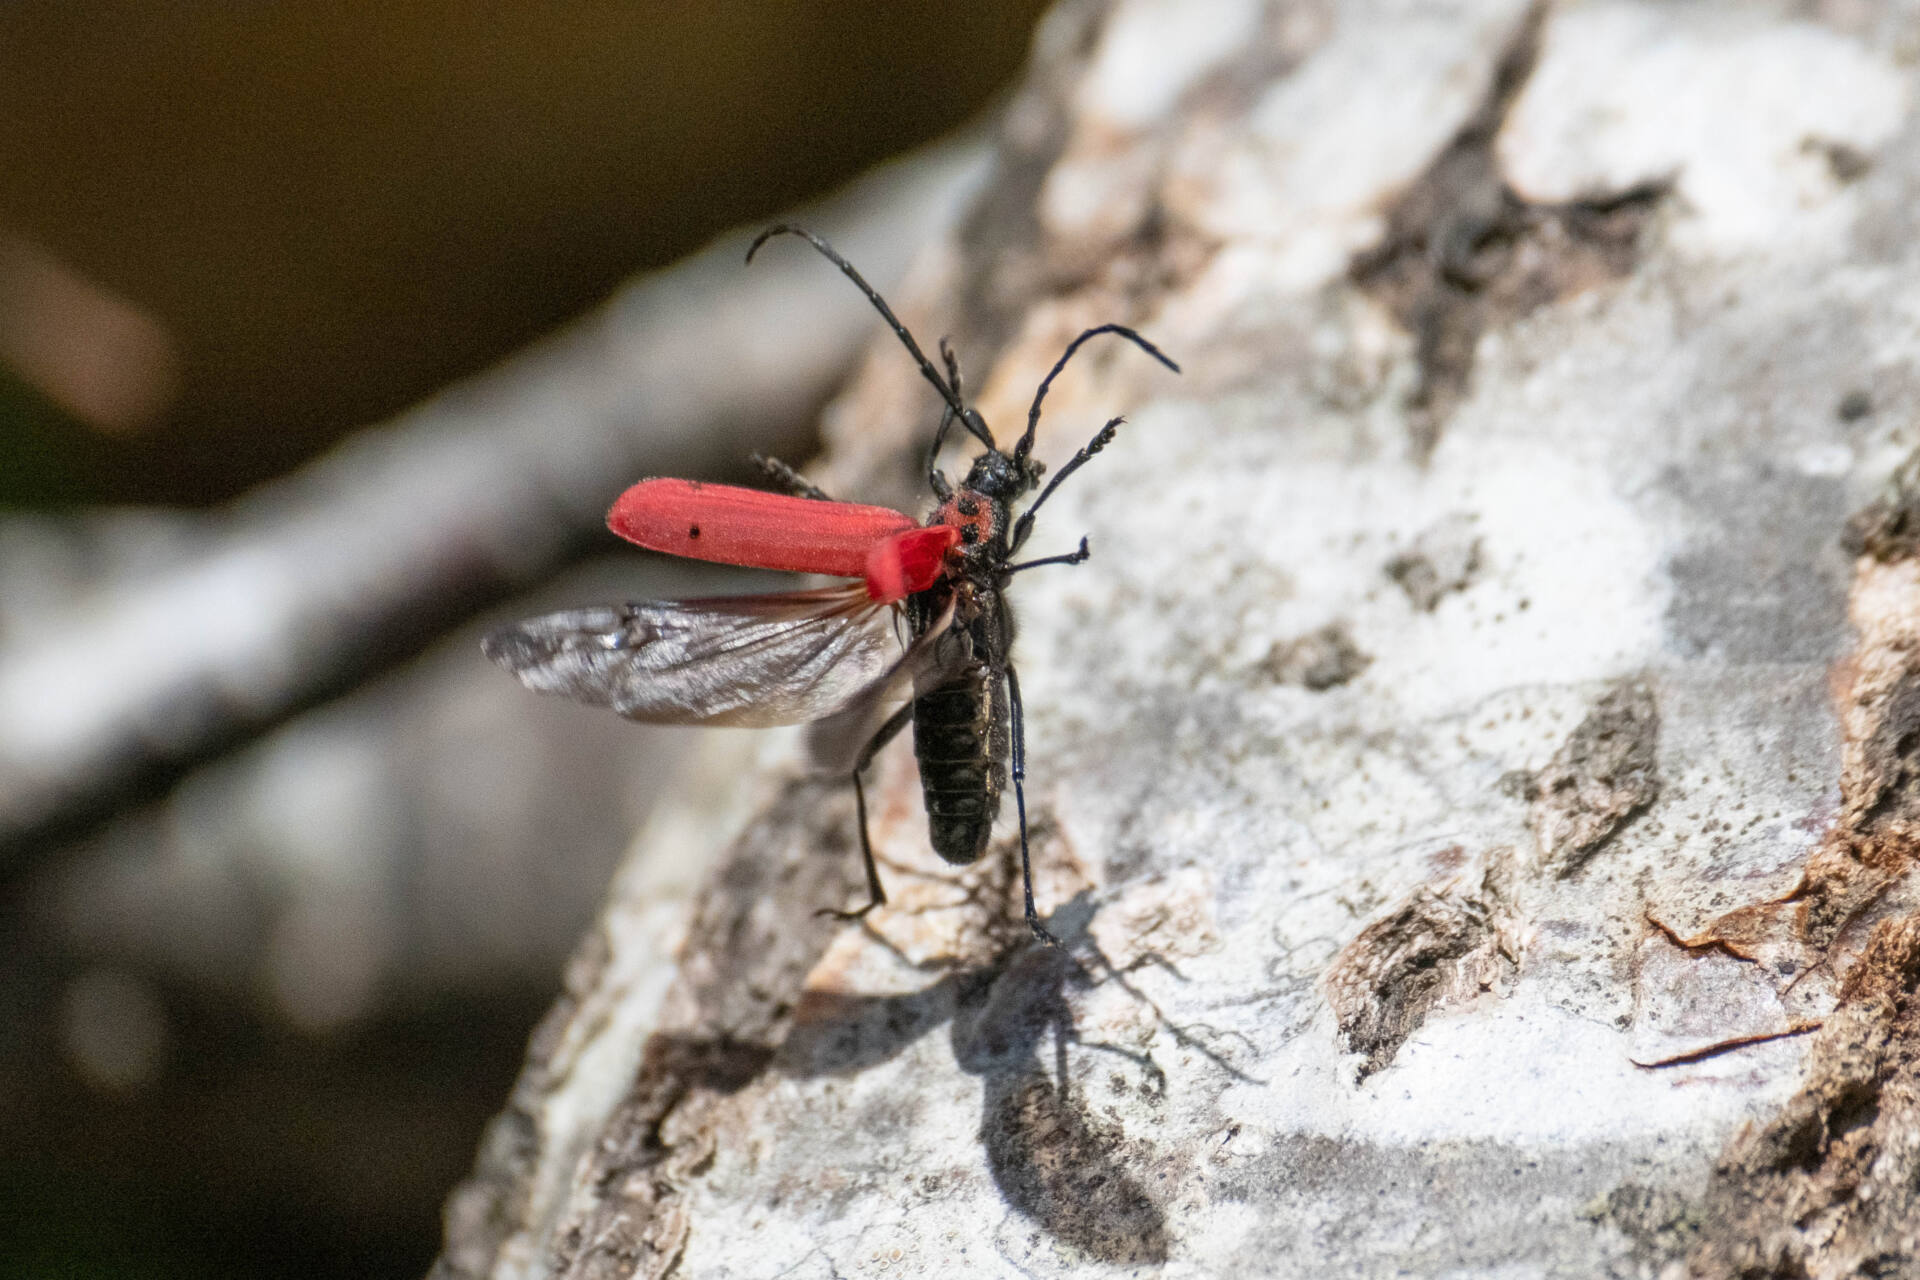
[789, 479]
[936, 479]
[1101, 439]
[953, 369]
[1020, 803]
[969, 418]
[885, 734]
[1072, 557]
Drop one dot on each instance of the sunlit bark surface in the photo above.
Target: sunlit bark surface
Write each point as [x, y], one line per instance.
[1474, 777]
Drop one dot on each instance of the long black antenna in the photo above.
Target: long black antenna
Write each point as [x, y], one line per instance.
[969, 419]
[1025, 445]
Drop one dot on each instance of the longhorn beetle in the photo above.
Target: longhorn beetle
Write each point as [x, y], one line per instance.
[831, 654]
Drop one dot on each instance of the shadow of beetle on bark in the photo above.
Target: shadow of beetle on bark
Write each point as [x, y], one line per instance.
[1071, 1175]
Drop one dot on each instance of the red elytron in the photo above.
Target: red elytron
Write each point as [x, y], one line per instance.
[757, 530]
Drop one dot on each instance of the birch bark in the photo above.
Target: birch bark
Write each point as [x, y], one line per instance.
[1475, 773]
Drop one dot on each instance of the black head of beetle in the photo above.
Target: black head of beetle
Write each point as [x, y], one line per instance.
[995, 475]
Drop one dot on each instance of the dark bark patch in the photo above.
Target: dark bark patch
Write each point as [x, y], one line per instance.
[1885, 797]
[1436, 948]
[1319, 660]
[1604, 774]
[1873, 843]
[1464, 253]
[1855, 405]
[1442, 560]
[1848, 164]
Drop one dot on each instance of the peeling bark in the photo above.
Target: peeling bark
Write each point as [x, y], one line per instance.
[1604, 774]
[1436, 949]
[1830, 1186]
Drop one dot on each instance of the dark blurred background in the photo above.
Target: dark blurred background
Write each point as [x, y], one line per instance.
[229, 235]
[312, 214]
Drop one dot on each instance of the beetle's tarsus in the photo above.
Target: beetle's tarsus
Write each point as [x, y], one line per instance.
[788, 478]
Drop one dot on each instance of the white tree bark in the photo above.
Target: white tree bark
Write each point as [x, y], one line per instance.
[1475, 774]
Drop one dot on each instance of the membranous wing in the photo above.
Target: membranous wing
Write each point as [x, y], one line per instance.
[754, 661]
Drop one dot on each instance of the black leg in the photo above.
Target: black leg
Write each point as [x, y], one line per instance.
[1020, 803]
[1072, 557]
[936, 479]
[787, 478]
[953, 370]
[1101, 439]
[885, 734]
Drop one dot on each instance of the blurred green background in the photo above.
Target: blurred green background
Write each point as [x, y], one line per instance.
[231, 233]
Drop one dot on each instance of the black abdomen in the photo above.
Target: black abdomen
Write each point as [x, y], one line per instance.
[962, 762]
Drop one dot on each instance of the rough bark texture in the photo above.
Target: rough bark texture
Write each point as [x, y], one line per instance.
[1474, 777]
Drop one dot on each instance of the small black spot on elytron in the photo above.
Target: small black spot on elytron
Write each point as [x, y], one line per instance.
[968, 505]
[969, 533]
[693, 531]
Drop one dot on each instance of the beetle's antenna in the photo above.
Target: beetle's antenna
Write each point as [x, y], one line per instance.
[1024, 525]
[1025, 444]
[969, 418]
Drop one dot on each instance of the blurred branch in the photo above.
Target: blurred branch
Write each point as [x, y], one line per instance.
[316, 580]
